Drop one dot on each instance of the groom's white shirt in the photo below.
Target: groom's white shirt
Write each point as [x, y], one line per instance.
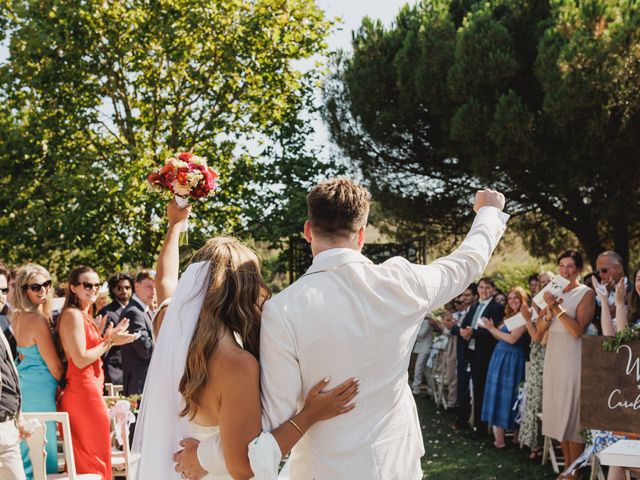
[347, 317]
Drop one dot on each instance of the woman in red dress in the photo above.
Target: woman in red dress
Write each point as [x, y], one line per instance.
[84, 347]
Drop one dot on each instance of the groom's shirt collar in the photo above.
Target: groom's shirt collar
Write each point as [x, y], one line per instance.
[332, 252]
[334, 258]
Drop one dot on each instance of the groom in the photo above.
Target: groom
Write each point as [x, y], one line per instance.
[347, 317]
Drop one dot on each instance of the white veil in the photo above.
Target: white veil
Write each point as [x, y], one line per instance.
[159, 428]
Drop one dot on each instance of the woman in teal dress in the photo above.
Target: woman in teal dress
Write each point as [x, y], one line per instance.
[39, 366]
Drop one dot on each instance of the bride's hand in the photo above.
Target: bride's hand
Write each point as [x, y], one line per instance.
[321, 405]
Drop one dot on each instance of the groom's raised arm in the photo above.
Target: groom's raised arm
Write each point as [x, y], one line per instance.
[280, 382]
[449, 276]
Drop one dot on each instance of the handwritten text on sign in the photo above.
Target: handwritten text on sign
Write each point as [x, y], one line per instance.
[610, 391]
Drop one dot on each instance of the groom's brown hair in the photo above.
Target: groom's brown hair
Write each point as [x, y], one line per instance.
[338, 207]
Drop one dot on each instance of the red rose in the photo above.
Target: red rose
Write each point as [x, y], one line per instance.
[185, 156]
[182, 177]
[209, 180]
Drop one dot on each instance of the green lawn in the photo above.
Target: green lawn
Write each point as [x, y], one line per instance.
[452, 455]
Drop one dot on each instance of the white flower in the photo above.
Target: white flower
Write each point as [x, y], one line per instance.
[198, 160]
[180, 190]
[194, 177]
[179, 164]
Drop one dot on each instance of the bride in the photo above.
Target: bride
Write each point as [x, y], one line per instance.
[203, 380]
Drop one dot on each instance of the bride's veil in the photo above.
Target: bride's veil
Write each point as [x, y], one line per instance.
[159, 428]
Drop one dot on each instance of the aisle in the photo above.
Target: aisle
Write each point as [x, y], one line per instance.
[451, 455]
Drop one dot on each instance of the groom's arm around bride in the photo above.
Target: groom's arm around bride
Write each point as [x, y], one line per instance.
[349, 317]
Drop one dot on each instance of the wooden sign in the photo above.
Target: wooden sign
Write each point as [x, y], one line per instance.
[610, 386]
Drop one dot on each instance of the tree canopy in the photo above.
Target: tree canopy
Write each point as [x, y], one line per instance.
[94, 94]
[540, 99]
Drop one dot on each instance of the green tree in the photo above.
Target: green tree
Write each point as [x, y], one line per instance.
[539, 99]
[94, 94]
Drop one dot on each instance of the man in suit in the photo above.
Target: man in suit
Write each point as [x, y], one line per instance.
[121, 289]
[463, 368]
[136, 356]
[478, 347]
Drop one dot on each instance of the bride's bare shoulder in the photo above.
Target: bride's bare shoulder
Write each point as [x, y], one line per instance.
[232, 362]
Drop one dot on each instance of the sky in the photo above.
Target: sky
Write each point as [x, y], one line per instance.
[352, 11]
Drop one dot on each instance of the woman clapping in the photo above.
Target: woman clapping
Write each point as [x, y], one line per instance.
[84, 347]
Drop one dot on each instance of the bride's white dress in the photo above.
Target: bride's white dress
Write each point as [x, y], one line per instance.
[202, 433]
[159, 428]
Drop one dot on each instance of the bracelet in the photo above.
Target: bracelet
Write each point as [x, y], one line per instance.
[109, 342]
[562, 312]
[297, 427]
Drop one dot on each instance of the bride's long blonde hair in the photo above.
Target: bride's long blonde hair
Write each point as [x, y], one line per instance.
[235, 294]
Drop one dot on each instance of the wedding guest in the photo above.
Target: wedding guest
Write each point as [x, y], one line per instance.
[137, 355]
[544, 278]
[627, 305]
[500, 298]
[449, 356]
[572, 312]
[462, 360]
[534, 284]
[121, 288]
[610, 272]
[422, 348]
[506, 369]
[530, 432]
[479, 346]
[168, 264]
[40, 369]
[84, 346]
[11, 423]
[5, 324]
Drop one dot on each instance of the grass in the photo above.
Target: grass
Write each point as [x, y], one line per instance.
[453, 455]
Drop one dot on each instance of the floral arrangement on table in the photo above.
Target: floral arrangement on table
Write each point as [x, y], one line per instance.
[186, 176]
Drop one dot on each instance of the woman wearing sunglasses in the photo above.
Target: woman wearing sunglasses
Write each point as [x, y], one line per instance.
[84, 346]
[40, 368]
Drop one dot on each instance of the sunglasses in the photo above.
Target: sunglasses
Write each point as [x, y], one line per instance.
[603, 270]
[89, 286]
[4, 291]
[36, 287]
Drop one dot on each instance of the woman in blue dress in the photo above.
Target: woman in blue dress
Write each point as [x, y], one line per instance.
[506, 369]
[39, 366]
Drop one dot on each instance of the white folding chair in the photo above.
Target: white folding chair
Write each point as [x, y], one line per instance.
[124, 463]
[38, 456]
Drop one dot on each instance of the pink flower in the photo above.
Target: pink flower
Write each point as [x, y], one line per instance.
[185, 156]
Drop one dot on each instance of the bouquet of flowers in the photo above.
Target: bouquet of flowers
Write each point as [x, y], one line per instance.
[186, 176]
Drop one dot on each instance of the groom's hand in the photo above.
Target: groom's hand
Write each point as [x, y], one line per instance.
[187, 462]
[488, 198]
